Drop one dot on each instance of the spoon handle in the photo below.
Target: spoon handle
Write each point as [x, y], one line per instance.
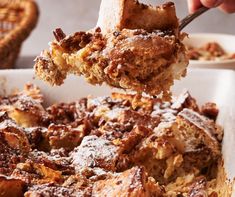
[185, 21]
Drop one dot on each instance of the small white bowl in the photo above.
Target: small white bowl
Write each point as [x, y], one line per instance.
[227, 42]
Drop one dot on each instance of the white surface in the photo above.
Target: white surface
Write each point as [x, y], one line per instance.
[224, 40]
[75, 15]
[205, 85]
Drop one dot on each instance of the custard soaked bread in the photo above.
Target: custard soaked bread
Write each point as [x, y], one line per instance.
[116, 145]
[134, 46]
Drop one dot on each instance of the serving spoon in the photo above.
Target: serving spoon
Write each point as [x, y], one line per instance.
[185, 21]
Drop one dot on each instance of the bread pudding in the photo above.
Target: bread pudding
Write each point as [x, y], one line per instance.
[117, 145]
[133, 46]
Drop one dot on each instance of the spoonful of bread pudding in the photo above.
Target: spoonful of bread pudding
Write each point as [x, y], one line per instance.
[133, 47]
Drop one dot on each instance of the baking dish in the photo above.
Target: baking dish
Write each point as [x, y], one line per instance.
[204, 84]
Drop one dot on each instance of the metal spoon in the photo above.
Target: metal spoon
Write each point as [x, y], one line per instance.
[185, 21]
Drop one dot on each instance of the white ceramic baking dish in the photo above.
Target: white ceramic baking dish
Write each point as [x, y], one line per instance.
[204, 84]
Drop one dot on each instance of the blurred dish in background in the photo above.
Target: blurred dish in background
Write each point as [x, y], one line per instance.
[211, 50]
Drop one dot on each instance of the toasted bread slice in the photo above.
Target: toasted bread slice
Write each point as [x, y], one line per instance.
[130, 14]
[133, 182]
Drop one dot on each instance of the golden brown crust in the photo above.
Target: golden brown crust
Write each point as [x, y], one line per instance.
[203, 128]
[13, 135]
[133, 182]
[130, 14]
